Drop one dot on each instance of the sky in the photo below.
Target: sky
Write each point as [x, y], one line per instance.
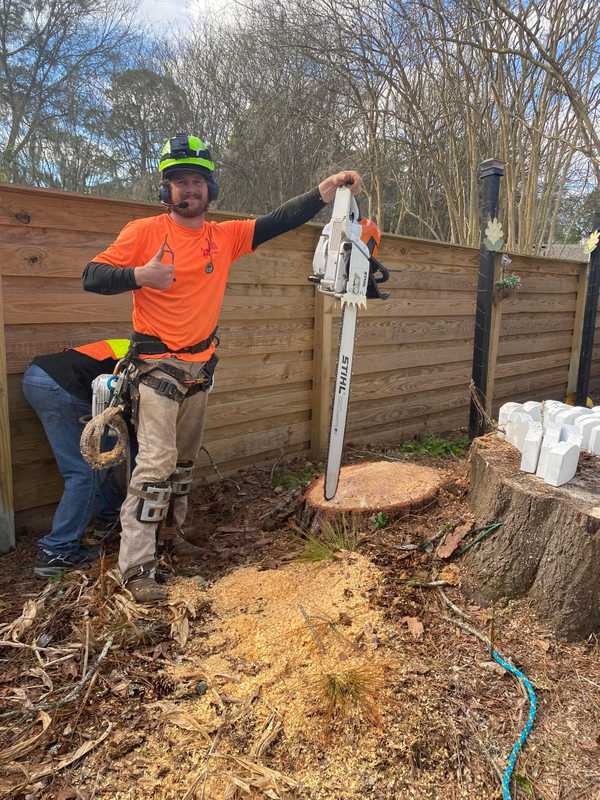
[163, 14]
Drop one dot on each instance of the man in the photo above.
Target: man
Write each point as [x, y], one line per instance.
[59, 389]
[176, 265]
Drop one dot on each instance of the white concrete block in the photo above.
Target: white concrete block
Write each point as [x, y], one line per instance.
[561, 464]
[517, 427]
[567, 416]
[596, 409]
[549, 410]
[594, 446]
[570, 433]
[503, 415]
[534, 409]
[531, 447]
[551, 438]
[586, 426]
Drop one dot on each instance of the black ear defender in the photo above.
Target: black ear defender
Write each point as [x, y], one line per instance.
[164, 193]
[213, 188]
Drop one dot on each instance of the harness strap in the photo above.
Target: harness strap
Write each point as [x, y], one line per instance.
[146, 345]
[168, 389]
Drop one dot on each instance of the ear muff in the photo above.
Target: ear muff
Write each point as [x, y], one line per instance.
[164, 192]
[213, 188]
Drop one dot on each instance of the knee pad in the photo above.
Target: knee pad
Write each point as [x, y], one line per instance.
[154, 501]
[181, 479]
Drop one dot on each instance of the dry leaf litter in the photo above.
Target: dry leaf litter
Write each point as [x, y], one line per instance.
[332, 680]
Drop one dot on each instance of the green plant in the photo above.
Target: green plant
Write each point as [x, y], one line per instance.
[379, 520]
[294, 479]
[510, 281]
[431, 445]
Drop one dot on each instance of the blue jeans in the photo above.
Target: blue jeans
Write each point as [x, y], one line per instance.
[87, 492]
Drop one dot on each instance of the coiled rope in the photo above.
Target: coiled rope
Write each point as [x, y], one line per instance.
[90, 443]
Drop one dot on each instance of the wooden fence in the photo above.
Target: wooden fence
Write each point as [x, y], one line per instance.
[414, 351]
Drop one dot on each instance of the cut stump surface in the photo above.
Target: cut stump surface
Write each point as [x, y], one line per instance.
[548, 546]
[370, 487]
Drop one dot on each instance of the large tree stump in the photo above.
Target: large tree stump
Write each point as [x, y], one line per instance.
[549, 544]
[364, 489]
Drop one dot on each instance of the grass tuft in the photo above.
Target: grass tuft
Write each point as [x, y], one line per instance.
[354, 692]
[430, 445]
[333, 537]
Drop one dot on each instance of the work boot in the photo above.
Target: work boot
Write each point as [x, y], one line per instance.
[141, 582]
[50, 564]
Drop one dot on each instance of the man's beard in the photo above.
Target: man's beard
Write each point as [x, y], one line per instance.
[193, 211]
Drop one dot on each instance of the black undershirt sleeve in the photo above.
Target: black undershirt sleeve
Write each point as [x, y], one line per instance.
[290, 215]
[106, 279]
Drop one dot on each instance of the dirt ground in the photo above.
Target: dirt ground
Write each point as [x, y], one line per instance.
[285, 667]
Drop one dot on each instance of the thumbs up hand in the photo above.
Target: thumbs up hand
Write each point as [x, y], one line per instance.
[154, 274]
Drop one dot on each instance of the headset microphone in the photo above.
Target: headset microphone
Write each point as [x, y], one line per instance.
[184, 204]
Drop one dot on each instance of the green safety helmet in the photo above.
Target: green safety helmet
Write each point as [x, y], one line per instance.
[188, 152]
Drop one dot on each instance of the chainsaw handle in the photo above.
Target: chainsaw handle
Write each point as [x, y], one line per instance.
[377, 274]
[375, 267]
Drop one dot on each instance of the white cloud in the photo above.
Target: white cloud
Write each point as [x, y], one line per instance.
[166, 15]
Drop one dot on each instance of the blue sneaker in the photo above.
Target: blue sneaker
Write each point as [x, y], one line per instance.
[53, 565]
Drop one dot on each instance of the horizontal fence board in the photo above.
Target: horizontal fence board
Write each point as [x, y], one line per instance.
[259, 404]
[68, 256]
[399, 331]
[434, 306]
[539, 303]
[379, 385]
[545, 266]
[261, 337]
[512, 345]
[393, 410]
[532, 382]
[387, 436]
[390, 357]
[545, 392]
[35, 299]
[527, 365]
[536, 323]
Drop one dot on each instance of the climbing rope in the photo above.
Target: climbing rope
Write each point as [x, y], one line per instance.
[93, 433]
[512, 759]
[518, 745]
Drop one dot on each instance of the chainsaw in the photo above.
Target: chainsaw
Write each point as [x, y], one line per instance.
[344, 268]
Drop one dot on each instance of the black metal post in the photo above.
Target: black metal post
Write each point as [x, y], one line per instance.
[589, 321]
[490, 172]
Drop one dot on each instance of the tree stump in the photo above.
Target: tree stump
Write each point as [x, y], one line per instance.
[548, 546]
[365, 489]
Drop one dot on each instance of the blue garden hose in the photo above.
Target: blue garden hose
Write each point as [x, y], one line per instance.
[512, 759]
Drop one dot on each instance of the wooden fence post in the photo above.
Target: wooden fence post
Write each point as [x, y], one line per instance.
[495, 328]
[322, 374]
[490, 172]
[589, 320]
[7, 513]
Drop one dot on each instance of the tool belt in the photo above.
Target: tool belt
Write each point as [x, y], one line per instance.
[143, 344]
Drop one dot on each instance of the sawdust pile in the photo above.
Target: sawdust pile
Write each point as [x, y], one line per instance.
[294, 673]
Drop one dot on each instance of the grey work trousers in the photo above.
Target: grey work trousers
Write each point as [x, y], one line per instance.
[168, 433]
